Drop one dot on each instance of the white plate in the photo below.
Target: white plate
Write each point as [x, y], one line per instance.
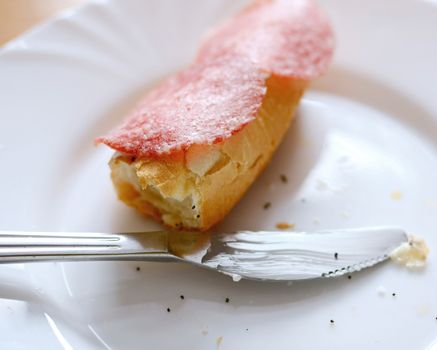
[365, 133]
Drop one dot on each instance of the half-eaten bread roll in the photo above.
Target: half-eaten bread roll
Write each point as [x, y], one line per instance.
[195, 144]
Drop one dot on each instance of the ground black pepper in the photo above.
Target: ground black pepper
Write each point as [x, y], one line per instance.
[394, 294]
[227, 300]
[182, 297]
[198, 216]
[336, 256]
[349, 277]
[193, 207]
[332, 321]
[284, 179]
[138, 268]
[267, 205]
[168, 309]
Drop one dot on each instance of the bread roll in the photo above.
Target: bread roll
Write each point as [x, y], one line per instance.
[195, 144]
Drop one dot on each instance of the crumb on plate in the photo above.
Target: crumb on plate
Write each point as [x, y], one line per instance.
[219, 341]
[412, 254]
[284, 226]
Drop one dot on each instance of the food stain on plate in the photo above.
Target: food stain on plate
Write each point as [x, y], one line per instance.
[396, 195]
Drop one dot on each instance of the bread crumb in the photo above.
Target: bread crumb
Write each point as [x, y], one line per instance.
[396, 195]
[412, 254]
[219, 341]
[284, 226]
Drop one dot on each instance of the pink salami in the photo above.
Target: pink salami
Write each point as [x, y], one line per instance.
[223, 89]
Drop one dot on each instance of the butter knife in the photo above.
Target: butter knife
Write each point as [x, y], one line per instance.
[263, 255]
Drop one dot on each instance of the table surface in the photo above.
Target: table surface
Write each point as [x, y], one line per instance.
[16, 16]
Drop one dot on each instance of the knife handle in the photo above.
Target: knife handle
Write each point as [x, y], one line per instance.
[19, 246]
